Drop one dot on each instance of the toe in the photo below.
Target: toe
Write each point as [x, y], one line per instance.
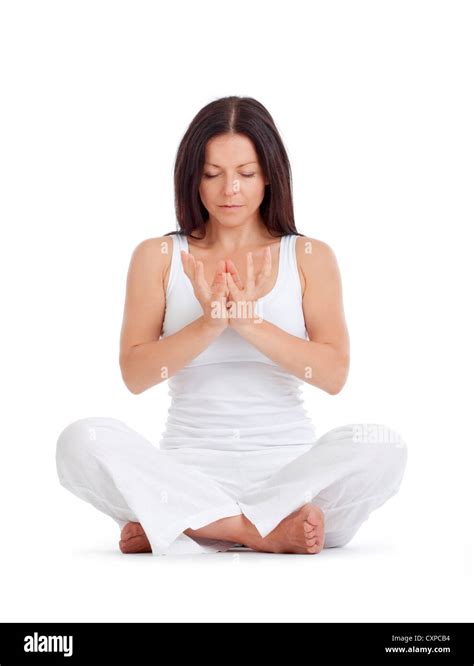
[131, 530]
[123, 546]
[314, 516]
[125, 534]
[138, 544]
[137, 530]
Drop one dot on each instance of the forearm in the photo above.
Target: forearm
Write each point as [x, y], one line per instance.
[316, 363]
[151, 363]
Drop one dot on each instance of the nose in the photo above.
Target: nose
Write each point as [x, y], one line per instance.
[231, 185]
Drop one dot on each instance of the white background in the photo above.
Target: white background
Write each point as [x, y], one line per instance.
[375, 105]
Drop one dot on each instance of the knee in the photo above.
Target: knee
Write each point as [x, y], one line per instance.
[396, 453]
[89, 432]
[78, 438]
[391, 454]
[386, 440]
[74, 438]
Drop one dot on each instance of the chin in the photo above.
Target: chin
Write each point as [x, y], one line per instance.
[228, 218]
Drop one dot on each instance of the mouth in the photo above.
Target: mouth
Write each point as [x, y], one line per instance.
[230, 206]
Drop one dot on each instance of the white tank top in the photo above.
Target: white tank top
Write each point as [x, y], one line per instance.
[231, 396]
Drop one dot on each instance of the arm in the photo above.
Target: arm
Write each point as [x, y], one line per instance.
[323, 360]
[145, 360]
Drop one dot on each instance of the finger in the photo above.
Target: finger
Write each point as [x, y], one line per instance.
[190, 265]
[219, 285]
[185, 262]
[200, 278]
[250, 272]
[230, 266]
[267, 266]
[234, 291]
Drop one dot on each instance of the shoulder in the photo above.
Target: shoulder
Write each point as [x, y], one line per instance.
[150, 247]
[307, 247]
[316, 260]
[155, 250]
[152, 256]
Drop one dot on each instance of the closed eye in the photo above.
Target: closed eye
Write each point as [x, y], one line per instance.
[246, 175]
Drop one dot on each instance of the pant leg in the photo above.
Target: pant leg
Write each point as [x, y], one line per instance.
[108, 464]
[350, 471]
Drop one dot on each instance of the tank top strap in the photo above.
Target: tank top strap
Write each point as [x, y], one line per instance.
[289, 264]
[176, 263]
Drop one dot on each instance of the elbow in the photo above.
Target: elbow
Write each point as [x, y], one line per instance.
[131, 387]
[339, 377]
[135, 388]
[127, 380]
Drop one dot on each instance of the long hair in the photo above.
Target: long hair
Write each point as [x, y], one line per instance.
[233, 115]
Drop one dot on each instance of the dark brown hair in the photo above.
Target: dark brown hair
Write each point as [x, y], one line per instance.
[233, 115]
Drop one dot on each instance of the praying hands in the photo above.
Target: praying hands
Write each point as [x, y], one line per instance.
[229, 301]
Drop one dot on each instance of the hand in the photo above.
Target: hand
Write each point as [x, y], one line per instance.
[242, 300]
[211, 298]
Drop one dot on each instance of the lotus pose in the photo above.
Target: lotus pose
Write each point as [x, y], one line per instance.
[235, 310]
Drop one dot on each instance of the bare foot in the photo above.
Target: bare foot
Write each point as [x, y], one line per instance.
[301, 532]
[134, 539]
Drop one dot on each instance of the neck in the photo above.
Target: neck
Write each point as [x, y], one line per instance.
[234, 239]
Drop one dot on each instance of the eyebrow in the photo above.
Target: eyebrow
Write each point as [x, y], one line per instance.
[238, 167]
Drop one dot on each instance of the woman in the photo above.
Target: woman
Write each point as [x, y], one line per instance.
[236, 310]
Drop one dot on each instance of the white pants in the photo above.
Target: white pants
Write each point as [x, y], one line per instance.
[348, 472]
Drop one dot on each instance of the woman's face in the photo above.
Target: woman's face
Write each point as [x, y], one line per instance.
[232, 175]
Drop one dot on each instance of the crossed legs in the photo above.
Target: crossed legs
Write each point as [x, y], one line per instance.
[318, 500]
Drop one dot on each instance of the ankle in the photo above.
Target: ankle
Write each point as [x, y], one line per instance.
[240, 529]
[227, 529]
[249, 535]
